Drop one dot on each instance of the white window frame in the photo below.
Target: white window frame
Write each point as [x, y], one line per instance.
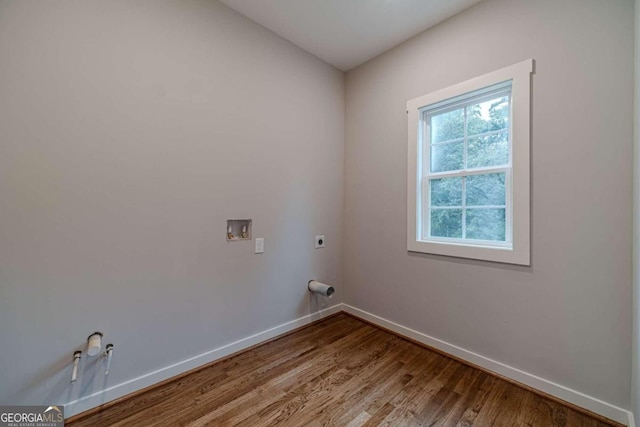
[517, 248]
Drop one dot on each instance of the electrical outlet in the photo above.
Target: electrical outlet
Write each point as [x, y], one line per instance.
[320, 242]
[259, 245]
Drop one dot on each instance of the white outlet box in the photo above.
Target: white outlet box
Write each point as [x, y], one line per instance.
[259, 245]
[320, 242]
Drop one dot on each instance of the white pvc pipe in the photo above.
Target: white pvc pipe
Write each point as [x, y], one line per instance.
[76, 361]
[321, 288]
[94, 343]
[109, 348]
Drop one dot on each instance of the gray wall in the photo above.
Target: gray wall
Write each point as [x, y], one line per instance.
[129, 133]
[635, 369]
[567, 318]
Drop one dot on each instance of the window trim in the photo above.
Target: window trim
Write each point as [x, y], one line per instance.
[519, 251]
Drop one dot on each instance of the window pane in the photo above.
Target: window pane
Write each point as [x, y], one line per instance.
[488, 116]
[486, 224]
[488, 150]
[446, 223]
[484, 190]
[447, 157]
[447, 126]
[446, 192]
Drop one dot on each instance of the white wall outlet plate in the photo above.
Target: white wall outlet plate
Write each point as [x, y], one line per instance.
[259, 245]
[319, 242]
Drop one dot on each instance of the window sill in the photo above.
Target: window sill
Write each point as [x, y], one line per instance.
[506, 254]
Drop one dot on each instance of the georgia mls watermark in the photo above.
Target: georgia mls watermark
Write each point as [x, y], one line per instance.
[31, 416]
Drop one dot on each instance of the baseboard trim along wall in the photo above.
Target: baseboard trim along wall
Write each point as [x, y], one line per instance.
[558, 391]
[119, 390]
[566, 394]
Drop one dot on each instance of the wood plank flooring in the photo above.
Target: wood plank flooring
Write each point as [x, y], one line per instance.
[338, 372]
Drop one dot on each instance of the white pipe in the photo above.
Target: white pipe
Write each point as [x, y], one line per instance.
[321, 288]
[76, 361]
[94, 343]
[109, 353]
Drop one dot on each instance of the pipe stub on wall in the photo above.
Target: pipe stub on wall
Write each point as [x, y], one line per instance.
[321, 288]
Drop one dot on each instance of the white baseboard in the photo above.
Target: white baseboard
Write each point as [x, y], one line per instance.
[572, 396]
[96, 399]
[577, 398]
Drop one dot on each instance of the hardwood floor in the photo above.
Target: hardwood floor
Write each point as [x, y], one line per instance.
[339, 372]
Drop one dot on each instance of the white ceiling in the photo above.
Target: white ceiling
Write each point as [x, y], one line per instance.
[346, 33]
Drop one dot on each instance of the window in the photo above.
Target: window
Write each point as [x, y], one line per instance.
[468, 174]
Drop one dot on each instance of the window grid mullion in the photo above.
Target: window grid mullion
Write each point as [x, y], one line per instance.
[464, 140]
[426, 207]
[469, 172]
[471, 207]
[479, 135]
[464, 178]
[464, 207]
[435, 208]
[451, 141]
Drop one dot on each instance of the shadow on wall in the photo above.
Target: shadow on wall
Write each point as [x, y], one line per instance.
[56, 378]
